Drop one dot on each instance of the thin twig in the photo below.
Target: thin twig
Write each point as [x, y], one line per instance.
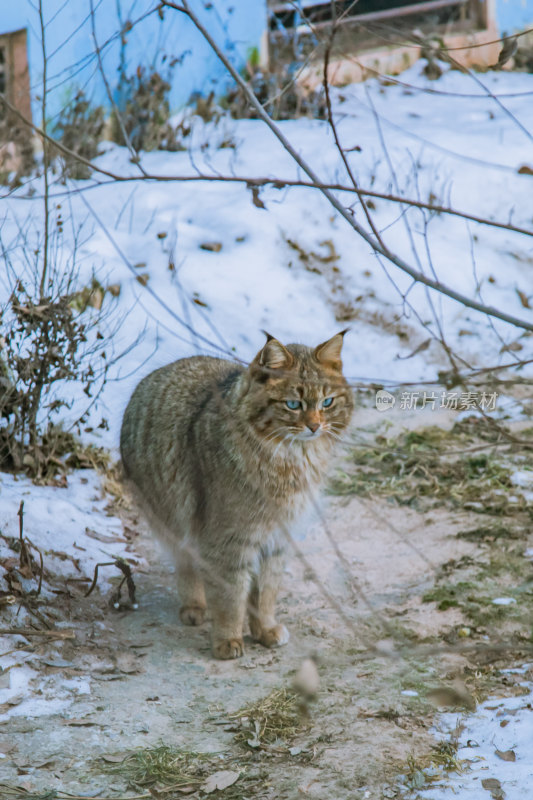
[53, 634]
[342, 210]
[275, 182]
[46, 153]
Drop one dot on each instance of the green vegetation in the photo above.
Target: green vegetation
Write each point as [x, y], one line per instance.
[163, 765]
[433, 467]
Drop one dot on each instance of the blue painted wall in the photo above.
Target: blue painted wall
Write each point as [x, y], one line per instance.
[514, 15]
[237, 25]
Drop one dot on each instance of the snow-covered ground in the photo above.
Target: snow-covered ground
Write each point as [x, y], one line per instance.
[294, 267]
[73, 532]
[495, 747]
[216, 269]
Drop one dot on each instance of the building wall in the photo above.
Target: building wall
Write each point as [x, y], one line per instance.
[514, 15]
[237, 26]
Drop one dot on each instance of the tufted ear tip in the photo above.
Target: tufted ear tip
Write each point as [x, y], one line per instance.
[273, 355]
[329, 353]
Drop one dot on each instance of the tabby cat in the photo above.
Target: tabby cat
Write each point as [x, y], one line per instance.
[223, 459]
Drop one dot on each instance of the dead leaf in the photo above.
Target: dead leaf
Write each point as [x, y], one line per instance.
[256, 200]
[506, 755]
[114, 289]
[26, 571]
[9, 563]
[452, 696]
[143, 278]
[220, 780]
[96, 298]
[509, 48]
[524, 299]
[212, 247]
[104, 537]
[140, 265]
[162, 235]
[513, 347]
[525, 170]
[419, 349]
[493, 786]
[199, 302]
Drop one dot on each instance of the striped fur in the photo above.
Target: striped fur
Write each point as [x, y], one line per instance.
[223, 467]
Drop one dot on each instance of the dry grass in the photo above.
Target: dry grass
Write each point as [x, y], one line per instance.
[162, 766]
[278, 717]
[431, 467]
[421, 770]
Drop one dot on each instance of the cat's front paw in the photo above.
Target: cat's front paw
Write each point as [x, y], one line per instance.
[192, 615]
[274, 637]
[228, 648]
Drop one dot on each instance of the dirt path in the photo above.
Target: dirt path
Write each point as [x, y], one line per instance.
[153, 681]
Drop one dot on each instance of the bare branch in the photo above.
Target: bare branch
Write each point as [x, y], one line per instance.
[276, 182]
[342, 210]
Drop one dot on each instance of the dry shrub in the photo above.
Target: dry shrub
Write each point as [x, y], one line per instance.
[56, 343]
[146, 113]
[277, 90]
[80, 128]
[43, 343]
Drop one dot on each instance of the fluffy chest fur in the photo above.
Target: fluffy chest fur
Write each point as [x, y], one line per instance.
[223, 453]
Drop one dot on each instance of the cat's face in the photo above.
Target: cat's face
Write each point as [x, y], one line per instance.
[298, 393]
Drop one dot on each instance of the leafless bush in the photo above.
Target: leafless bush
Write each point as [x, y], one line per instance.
[279, 93]
[48, 339]
[145, 118]
[80, 128]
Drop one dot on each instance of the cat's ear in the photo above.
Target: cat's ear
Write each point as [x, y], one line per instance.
[273, 355]
[329, 353]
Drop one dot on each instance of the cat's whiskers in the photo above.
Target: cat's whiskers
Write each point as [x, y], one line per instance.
[332, 426]
[289, 436]
[272, 435]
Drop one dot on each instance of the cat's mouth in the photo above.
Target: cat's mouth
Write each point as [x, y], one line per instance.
[307, 435]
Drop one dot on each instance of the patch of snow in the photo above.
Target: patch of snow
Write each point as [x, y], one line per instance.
[496, 726]
[522, 477]
[61, 523]
[503, 601]
[56, 520]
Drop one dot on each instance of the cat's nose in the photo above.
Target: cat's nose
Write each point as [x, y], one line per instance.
[313, 426]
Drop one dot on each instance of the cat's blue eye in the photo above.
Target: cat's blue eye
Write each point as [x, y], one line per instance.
[327, 402]
[294, 405]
